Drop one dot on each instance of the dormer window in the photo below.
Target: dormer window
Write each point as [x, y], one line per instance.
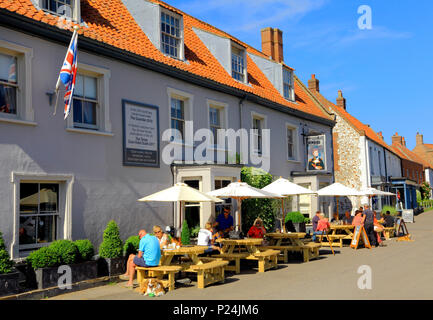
[288, 84]
[238, 64]
[67, 8]
[171, 34]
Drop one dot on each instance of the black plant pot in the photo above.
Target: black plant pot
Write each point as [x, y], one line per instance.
[295, 227]
[9, 283]
[49, 277]
[111, 266]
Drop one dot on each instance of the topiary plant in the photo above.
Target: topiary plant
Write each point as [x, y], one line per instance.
[185, 235]
[66, 250]
[5, 262]
[131, 245]
[295, 217]
[111, 246]
[43, 258]
[85, 249]
[392, 210]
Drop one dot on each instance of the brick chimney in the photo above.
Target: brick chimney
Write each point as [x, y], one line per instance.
[403, 141]
[419, 139]
[341, 102]
[313, 83]
[396, 139]
[272, 43]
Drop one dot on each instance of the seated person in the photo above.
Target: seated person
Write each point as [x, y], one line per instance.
[388, 220]
[224, 222]
[163, 238]
[217, 235]
[148, 255]
[358, 219]
[322, 225]
[347, 219]
[257, 230]
[315, 220]
[205, 238]
[335, 217]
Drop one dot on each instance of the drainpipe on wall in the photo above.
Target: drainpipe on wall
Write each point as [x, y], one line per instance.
[172, 183]
[241, 103]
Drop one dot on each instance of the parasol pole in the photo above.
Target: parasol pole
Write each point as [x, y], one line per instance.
[284, 216]
[337, 209]
[239, 213]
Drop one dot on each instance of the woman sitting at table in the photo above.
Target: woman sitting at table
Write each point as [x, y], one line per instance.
[257, 230]
[322, 226]
[163, 238]
[205, 238]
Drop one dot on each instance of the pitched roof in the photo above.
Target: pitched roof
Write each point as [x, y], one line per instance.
[362, 128]
[410, 155]
[109, 22]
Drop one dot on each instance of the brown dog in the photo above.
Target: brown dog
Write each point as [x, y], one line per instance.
[151, 285]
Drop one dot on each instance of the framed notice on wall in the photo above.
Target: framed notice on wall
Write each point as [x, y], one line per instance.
[140, 134]
[316, 153]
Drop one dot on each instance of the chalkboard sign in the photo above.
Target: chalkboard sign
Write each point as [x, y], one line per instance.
[400, 227]
[360, 234]
[407, 215]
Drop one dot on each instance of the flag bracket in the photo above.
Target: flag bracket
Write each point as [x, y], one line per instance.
[50, 95]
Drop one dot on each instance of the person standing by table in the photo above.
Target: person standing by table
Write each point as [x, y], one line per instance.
[358, 219]
[369, 225]
[224, 222]
[315, 220]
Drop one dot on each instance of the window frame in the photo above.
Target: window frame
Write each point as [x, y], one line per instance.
[83, 125]
[188, 102]
[296, 153]
[75, 9]
[263, 119]
[222, 108]
[290, 84]
[181, 50]
[103, 121]
[243, 55]
[24, 56]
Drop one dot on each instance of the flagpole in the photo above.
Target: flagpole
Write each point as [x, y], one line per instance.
[74, 35]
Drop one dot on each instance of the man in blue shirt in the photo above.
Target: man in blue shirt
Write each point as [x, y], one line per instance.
[224, 222]
[148, 255]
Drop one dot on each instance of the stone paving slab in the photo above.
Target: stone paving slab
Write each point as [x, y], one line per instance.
[401, 270]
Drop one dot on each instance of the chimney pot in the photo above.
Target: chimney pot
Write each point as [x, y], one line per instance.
[313, 83]
[396, 139]
[341, 102]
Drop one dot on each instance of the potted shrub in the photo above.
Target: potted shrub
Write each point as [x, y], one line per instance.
[185, 236]
[8, 276]
[110, 260]
[295, 222]
[46, 261]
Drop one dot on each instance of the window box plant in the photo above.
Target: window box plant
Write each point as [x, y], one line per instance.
[76, 255]
[111, 261]
[8, 276]
[295, 222]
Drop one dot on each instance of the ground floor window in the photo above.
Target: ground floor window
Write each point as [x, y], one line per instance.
[219, 207]
[39, 211]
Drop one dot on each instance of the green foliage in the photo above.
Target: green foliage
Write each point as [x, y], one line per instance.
[185, 236]
[5, 262]
[425, 191]
[66, 250]
[254, 208]
[295, 217]
[393, 211]
[43, 258]
[426, 203]
[85, 249]
[131, 245]
[418, 196]
[194, 231]
[111, 246]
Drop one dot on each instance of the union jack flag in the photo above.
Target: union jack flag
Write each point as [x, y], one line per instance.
[68, 73]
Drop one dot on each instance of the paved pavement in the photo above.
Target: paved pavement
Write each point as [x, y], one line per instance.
[401, 270]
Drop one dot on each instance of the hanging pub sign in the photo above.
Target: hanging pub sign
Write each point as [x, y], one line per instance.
[140, 134]
[316, 153]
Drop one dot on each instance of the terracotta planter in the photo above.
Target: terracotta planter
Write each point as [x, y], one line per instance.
[48, 277]
[9, 284]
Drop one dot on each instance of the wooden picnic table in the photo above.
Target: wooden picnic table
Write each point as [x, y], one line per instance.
[267, 259]
[338, 233]
[292, 242]
[207, 272]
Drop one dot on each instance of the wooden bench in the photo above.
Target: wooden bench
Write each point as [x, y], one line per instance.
[389, 232]
[336, 239]
[159, 272]
[235, 257]
[309, 251]
[209, 272]
[267, 259]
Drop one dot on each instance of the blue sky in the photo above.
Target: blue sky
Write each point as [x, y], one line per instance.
[386, 73]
